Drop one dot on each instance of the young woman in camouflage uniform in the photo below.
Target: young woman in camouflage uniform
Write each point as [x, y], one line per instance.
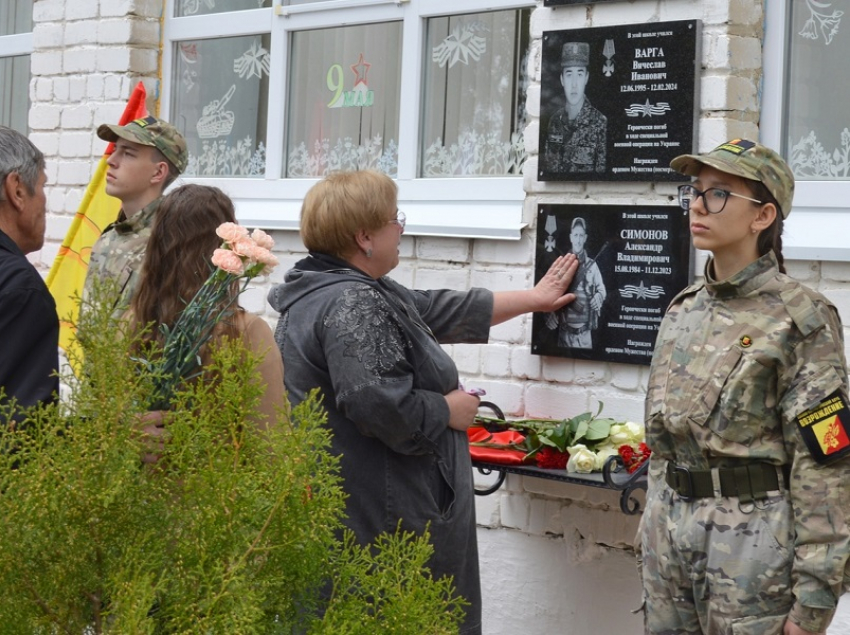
[745, 530]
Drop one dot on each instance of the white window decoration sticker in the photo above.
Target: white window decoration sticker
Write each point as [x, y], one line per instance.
[253, 62]
[222, 158]
[359, 96]
[188, 55]
[810, 159]
[821, 21]
[215, 121]
[461, 44]
[476, 153]
[346, 154]
[191, 7]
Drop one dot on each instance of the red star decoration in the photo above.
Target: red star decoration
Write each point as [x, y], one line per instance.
[360, 69]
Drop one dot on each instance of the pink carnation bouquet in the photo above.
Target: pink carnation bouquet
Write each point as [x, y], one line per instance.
[242, 256]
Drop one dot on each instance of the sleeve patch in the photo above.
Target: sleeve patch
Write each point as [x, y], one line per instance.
[826, 429]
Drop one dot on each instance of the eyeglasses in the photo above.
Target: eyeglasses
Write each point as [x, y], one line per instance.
[400, 219]
[714, 198]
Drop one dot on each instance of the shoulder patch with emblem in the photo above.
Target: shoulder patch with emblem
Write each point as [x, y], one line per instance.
[826, 429]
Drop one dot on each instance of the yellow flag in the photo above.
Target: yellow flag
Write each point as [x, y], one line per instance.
[96, 211]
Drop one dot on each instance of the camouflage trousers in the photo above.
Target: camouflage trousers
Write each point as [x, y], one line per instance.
[713, 566]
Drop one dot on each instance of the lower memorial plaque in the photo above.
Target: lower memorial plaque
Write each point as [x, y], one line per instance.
[633, 261]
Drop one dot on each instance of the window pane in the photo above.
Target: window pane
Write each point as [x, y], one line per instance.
[344, 100]
[219, 102]
[15, 17]
[203, 7]
[817, 137]
[473, 109]
[14, 92]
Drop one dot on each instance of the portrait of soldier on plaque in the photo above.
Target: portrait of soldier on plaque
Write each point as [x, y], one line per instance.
[576, 138]
[576, 322]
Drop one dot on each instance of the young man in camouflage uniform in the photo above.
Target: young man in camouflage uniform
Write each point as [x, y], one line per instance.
[149, 155]
[746, 523]
[577, 135]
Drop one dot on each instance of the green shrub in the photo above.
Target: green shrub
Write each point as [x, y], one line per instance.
[233, 530]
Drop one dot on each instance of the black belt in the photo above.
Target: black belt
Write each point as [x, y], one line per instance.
[747, 482]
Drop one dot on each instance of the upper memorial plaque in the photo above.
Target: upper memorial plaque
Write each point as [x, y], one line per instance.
[617, 103]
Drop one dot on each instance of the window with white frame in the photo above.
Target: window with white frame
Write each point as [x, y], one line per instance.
[430, 92]
[806, 84]
[15, 49]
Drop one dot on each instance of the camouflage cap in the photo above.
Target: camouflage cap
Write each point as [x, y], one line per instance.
[575, 54]
[749, 160]
[150, 131]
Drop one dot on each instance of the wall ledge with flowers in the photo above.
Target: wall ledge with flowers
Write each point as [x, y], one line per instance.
[585, 450]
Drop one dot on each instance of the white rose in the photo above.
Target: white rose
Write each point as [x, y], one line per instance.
[581, 459]
[603, 453]
[627, 433]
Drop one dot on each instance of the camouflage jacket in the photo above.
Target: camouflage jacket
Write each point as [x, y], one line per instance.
[119, 253]
[587, 284]
[734, 363]
[579, 145]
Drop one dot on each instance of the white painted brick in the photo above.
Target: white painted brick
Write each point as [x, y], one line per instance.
[732, 52]
[129, 31]
[75, 144]
[515, 511]
[48, 10]
[716, 130]
[47, 142]
[589, 373]
[82, 9]
[403, 274]
[532, 101]
[561, 369]
[61, 88]
[80, 60]
[556, 402]
[77, 117]
[407, 247]
[606, 14]
[443, 249]
[617, 405]
[625, 377]
[508, 396]
[45, 62]
[544, 517]
[57, 227]
[512, 331]
[727, 93]
[94, 87]
[43, 89]
[51, 169]
[508, 252]
[115, 59]
[73, 198]
[74, 173]
[531, 137]
[112, 87]
[141, 8]
[487, 508]
[48, 35]
[457, 279]
[55, 203]
[44, 116]
[107, 113]
[524, 365]
[77, 89]
[496, 360]
[745, 12]
[555, 19]
[501, 279]
[557, 489]
[47, 255]
[467, 358]
[80, 33]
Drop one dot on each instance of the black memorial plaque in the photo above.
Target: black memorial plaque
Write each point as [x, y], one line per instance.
[639, 106]
[635, 260]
